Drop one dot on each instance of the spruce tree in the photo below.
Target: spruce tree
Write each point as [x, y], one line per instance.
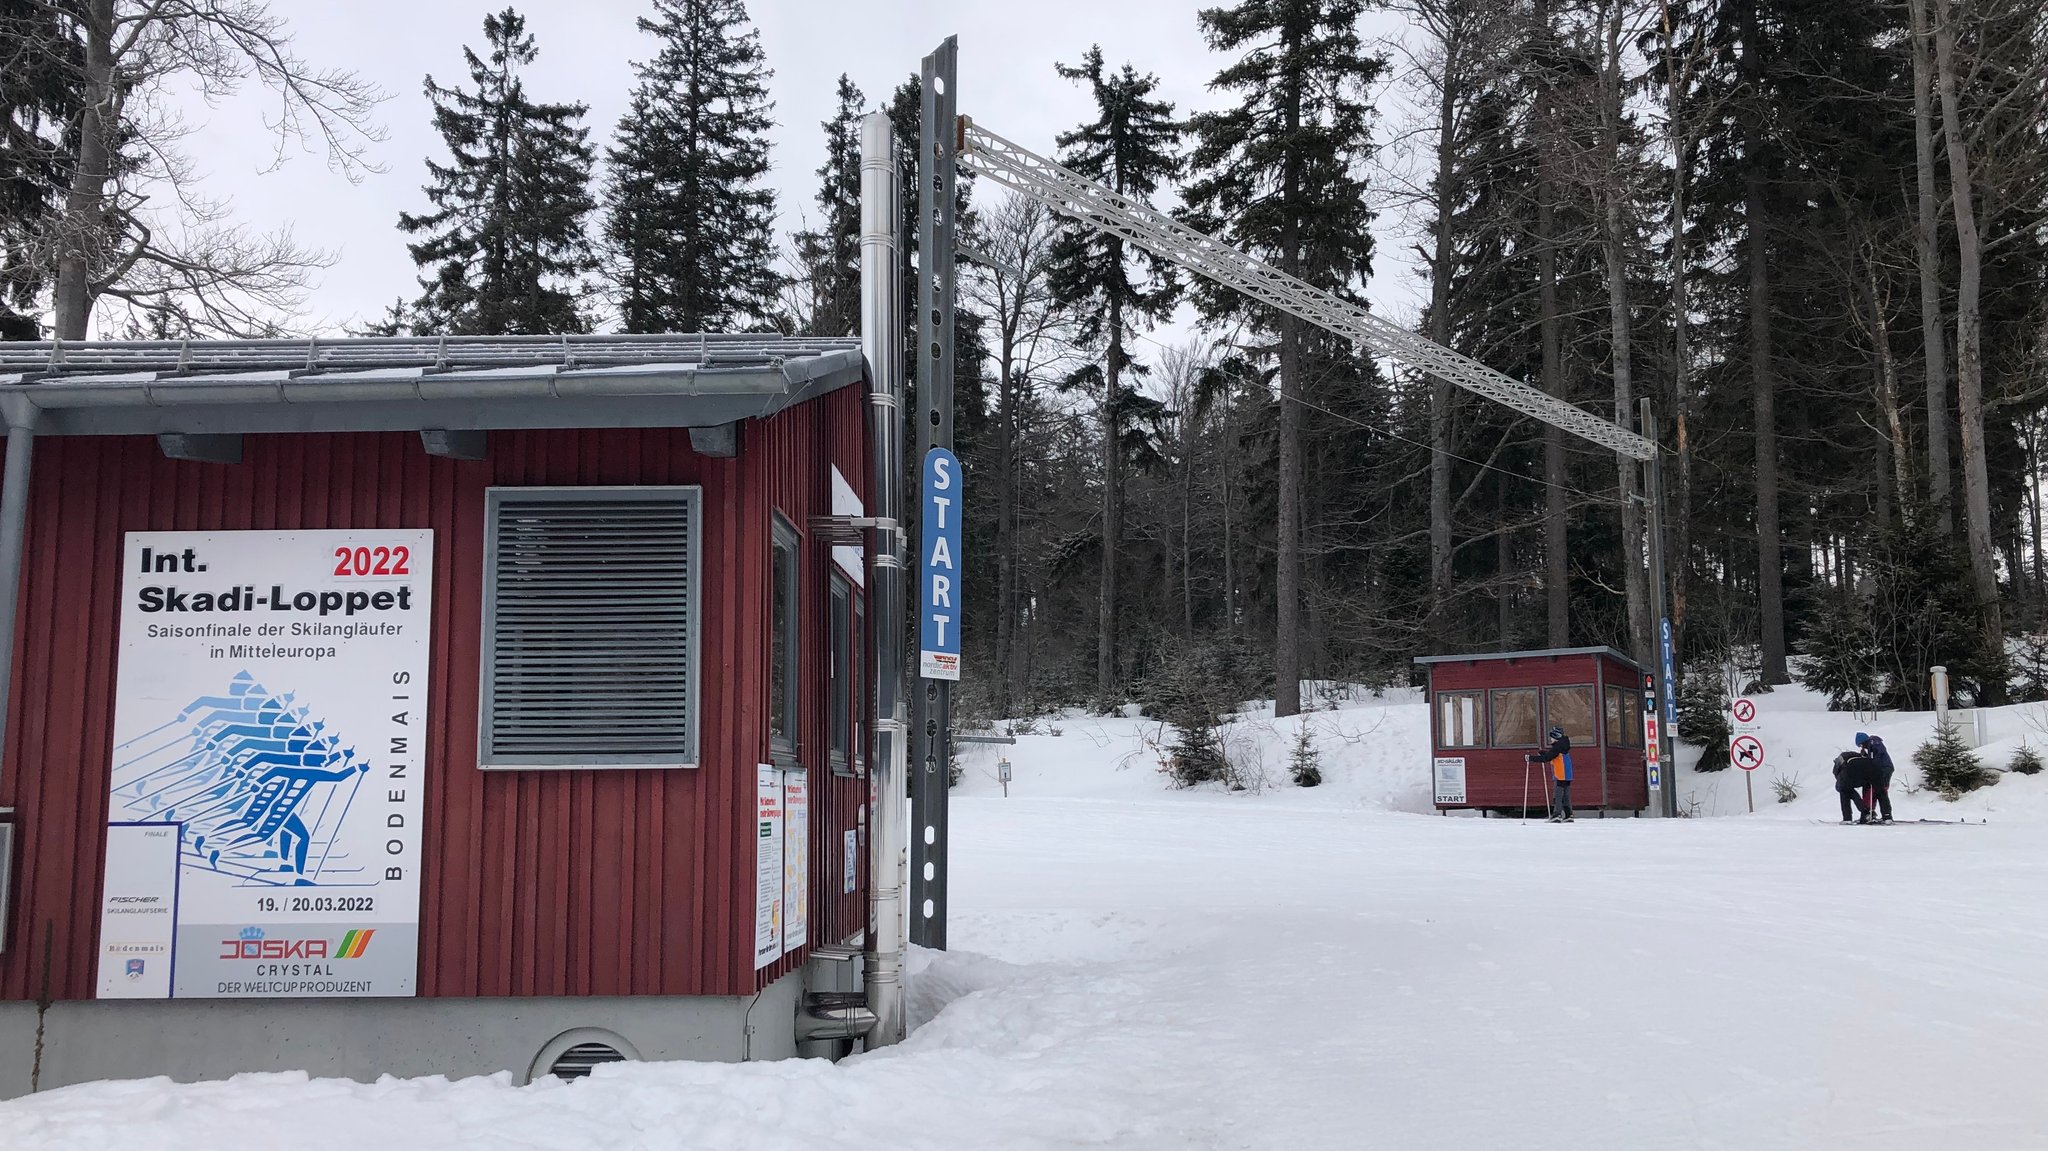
[505, 242]
[39, 91]
[830, 255]
[1280, 174]
[689, 225]
[1130, 147]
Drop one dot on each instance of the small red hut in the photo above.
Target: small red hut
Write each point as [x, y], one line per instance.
[1489, 712]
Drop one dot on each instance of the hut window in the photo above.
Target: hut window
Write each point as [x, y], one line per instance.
[1515, 722]
[590, 627]
[1570, 708]
[782, 650]
[1458, 718]
[1624, 718]
[842, 675]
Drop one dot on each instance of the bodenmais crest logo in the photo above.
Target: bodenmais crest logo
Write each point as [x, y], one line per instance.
[253, 943]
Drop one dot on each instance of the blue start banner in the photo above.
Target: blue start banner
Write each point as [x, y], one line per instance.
[938, 583]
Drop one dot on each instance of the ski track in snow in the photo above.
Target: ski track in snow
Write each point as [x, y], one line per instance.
[1139, 968]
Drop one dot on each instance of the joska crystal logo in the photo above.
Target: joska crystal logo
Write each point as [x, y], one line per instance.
[253, 944]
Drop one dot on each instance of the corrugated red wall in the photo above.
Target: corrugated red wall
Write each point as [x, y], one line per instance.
[1499, 777]
[535, 883]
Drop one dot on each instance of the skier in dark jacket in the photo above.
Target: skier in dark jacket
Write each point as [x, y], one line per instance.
[1559, 756]
[1853, 772]
[1878, 796]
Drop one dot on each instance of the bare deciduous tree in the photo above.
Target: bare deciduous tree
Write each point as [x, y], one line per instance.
[133, 225]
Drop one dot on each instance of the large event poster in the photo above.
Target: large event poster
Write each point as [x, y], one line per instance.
[270, 721]
[767, 865]
[796, 859]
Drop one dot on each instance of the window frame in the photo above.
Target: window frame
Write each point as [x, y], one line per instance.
[1493, 737]
[785, 746]
[496, 496]
[842, 677]
[1628, 718]
[1479, 724]
[1593, 713]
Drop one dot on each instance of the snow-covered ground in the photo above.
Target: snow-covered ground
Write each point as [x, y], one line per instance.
[1134, 967]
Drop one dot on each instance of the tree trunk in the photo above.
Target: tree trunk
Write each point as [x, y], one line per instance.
[1112, 506]
[1679, 498]
[1556, 573]
[1927, 239]
[73, 294]
[1503, 569]
[1969, 351]
[1901, 480]
[1440, 331]
[1006, 524]
[1769, 542]
[1635, 578]
[1287, 532]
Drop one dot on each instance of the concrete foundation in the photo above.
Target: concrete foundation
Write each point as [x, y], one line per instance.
[201, 1039]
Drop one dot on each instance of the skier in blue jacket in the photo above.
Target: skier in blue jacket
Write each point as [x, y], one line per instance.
[1879, 792]
[1559, 756]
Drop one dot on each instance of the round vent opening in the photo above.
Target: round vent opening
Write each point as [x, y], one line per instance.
[572, 1054]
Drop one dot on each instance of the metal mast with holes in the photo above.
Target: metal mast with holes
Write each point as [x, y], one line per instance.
[1092, 204]
[931, 707]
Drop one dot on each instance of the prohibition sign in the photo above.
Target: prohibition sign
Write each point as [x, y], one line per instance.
[1745, 711]
[1747, 751]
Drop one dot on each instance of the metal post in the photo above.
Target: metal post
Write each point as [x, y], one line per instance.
[21, 441]
[932, 700]
[1654, 493]
[882, 342]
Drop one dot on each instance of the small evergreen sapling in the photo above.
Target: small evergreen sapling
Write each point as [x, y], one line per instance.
[1305, 763]
[1703, 718]
[2025, 761]
[1949, 766]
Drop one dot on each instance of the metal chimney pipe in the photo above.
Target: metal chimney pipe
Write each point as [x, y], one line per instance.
[881, 329]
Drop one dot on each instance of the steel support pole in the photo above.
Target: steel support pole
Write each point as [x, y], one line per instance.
[932, 699]
[1653, 491]
[881, 319]
[21, 441]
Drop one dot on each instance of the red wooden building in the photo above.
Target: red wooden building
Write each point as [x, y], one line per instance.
[629, 600]
[1488, 713]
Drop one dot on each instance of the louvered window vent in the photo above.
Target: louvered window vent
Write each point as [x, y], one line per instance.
[590, 627]
[576, 1062]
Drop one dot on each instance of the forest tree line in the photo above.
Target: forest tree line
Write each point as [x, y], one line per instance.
[1812, 232]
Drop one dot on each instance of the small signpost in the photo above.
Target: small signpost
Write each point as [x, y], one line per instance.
[1003, 773]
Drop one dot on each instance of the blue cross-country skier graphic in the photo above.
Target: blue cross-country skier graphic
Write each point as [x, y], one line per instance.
[239, 771]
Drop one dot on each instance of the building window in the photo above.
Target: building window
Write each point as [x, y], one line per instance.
[782, 638]
[1459, 719]
[1624, 718]
[842, 673]
[1570, 708]
[590, 628]
[1515, 722]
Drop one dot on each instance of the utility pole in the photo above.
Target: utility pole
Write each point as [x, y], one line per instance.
[1653, 497]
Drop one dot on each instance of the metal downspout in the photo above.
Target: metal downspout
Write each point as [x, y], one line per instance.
[21, 438]
[882, 342]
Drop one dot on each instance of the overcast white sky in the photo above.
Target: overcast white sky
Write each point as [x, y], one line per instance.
[1007, 52]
